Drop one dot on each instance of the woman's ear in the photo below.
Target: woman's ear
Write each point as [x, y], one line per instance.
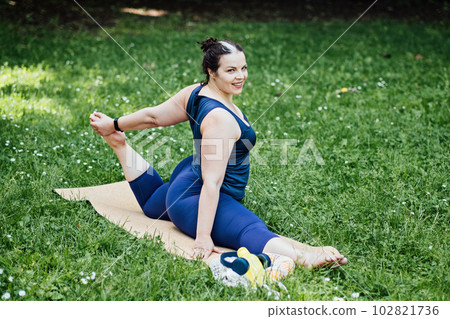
[211, 74]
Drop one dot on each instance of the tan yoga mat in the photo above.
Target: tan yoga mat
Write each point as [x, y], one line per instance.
[116, 202]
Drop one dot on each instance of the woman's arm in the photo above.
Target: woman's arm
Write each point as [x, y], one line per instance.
[171, 112]
[219, 133]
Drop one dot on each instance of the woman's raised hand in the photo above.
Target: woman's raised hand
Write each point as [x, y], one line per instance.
[102, 124]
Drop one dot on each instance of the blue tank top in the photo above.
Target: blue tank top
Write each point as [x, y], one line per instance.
[238, 168]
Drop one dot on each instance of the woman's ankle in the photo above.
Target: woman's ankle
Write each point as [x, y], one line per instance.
[116, 141]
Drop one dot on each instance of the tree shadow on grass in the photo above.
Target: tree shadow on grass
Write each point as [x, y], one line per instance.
[51, 12]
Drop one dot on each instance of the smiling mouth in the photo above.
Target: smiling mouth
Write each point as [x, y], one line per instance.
[238, 85]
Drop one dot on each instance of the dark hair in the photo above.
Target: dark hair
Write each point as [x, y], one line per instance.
[213, 50]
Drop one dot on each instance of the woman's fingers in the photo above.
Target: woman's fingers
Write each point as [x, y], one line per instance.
[95, 116]
[205, 253]
[204, 247]
[94, 124]
[196, 252]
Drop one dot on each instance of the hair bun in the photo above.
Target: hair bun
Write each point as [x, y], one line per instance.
[207, 44]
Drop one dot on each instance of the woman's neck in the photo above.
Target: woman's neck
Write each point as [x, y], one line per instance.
[218, 92]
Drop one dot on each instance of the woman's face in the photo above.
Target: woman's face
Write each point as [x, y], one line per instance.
[231, 74]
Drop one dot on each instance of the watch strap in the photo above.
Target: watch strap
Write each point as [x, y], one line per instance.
[116, 125]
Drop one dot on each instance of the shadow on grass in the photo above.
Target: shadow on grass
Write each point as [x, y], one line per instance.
[51, 12]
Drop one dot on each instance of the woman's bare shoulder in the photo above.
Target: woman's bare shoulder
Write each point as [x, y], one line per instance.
[186, 92]
[191, 87]
[220, 123]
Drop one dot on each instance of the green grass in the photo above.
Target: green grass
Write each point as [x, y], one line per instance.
[381, 195]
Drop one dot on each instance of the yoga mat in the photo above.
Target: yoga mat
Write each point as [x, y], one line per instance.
[116, 202]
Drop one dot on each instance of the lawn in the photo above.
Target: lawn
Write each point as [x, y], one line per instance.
[365, 168]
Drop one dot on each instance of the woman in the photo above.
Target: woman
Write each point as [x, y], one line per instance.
[203, 195]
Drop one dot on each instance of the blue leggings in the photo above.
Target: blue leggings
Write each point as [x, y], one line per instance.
[177, 200]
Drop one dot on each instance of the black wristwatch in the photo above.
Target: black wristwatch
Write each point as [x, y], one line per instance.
[116, 125]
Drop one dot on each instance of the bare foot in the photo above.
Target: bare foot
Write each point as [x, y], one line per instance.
[116, 140]
[321, 257]
[333, 251]
[325, 251]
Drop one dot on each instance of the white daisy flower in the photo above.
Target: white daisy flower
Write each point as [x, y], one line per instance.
[6, 296]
